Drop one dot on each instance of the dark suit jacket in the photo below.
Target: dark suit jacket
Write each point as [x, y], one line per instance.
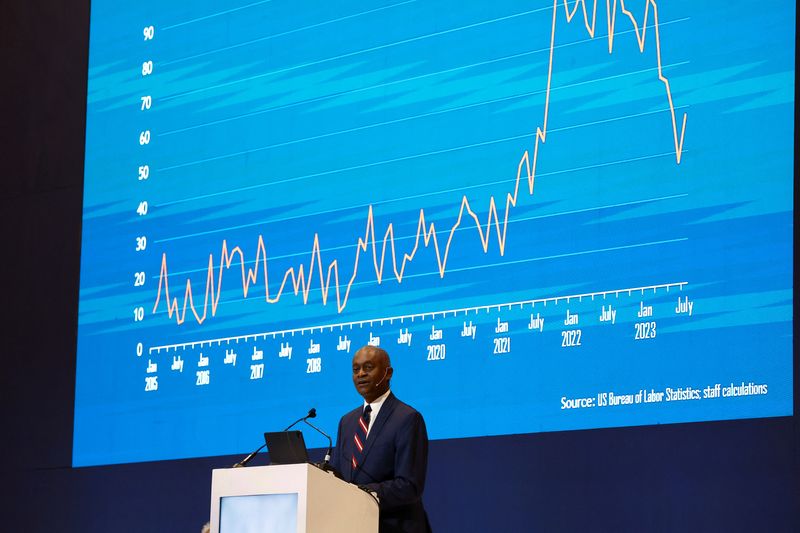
[393, 464]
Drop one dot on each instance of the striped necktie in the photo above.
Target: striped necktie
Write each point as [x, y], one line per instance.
[360, 436]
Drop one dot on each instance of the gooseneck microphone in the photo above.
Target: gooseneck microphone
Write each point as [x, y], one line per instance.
[312, 413]
[327, 460]
[247, 459]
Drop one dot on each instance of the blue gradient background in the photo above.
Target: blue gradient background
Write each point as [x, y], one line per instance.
[288, 120]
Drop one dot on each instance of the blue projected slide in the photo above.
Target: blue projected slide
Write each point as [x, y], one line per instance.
[577, 211]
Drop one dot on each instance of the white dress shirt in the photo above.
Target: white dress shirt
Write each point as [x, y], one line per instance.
[376, 407]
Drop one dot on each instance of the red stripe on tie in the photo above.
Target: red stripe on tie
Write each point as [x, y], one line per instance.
[363, 425]
[358, 443]
[355, 464]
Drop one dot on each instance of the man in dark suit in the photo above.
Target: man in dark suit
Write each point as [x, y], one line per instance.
[383, 446]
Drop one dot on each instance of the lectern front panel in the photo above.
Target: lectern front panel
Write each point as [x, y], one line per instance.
[258, 513]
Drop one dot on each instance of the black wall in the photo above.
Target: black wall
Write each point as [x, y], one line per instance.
[722, 476]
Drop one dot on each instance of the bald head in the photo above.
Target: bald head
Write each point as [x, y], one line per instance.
[372, 371]
[375, 353]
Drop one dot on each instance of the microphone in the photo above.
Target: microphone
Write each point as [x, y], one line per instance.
[385, 373]
[247, 459]
[312, 413]
[330, 444]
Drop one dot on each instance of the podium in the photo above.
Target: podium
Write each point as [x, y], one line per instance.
[287, 499]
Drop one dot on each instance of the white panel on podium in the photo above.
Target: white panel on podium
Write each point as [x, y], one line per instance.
[288, 498]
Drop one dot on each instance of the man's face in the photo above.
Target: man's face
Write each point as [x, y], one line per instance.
[371, 372]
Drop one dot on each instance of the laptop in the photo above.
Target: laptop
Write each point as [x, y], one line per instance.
[286, 447]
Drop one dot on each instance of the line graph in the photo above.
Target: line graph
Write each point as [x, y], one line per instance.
[497, 193]
[299, 279]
